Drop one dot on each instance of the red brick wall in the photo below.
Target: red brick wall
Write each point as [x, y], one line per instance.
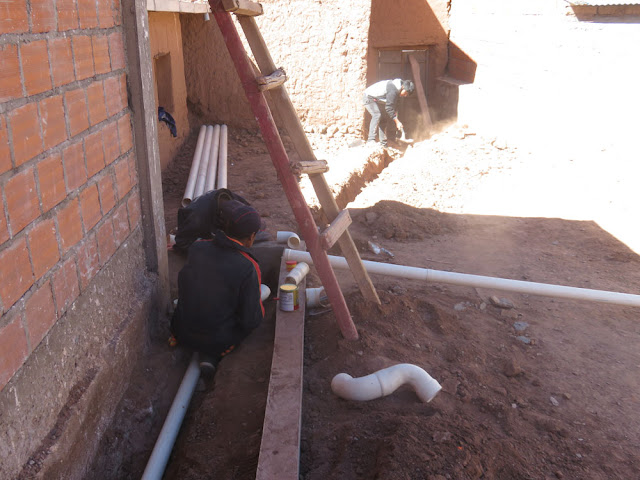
[68, 196]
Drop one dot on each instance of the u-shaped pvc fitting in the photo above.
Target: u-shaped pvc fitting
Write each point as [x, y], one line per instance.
[386, 381]
[290, 238]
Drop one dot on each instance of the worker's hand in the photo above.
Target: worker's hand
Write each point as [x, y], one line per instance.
[399, 125]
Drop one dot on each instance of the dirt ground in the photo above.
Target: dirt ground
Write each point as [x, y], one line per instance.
[533, 387]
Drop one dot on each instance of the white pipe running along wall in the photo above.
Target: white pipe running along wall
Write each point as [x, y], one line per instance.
[162, 449]
[386, 381]
[222, 162]
[204, 163]
[195, 165]
[436, 276]
[210, 180]
[291, 239]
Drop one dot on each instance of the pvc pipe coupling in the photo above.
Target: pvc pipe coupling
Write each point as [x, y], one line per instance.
[297, 274]
[384, 382]
[290, 238]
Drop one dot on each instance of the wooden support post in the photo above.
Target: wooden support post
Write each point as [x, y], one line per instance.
[334, 231]
[289, 116]
[422, 99]
[280, 161]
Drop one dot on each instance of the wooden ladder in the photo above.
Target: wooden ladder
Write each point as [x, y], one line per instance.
[337, 231]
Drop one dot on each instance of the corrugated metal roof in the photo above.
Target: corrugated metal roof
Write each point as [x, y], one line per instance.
[602, 3]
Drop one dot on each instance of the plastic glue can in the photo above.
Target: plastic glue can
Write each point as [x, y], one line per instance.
[289, 297]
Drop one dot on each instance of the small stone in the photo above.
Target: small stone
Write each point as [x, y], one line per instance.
[520, 326]
[501, 302]
[524, 340]
[483, 306]
[360, 352]
[459, 307]
[559, 474]
[511, 368]
[566, 396]
[554, 402]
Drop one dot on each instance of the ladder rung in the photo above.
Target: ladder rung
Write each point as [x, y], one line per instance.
[334, 231]
[274, 80]
[243, 7]
[310, 167]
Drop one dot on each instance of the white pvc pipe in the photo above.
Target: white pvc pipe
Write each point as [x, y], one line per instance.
[195, 165]
[297, 273]
[452, 278]
[210, 179]
[204, 163]
[291, 239]
[386, 381]
[264, 292]
[316, 297]
[222, 162]
[162, 449]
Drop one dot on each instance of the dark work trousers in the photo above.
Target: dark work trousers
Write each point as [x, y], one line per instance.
[378, 120]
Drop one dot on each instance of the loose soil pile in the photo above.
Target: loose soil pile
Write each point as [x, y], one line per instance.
[533, 387]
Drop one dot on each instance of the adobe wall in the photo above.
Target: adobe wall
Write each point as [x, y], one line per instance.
[75, 297]
[165, 38]
[547, 78]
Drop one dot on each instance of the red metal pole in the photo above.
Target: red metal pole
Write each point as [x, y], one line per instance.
[280, 160]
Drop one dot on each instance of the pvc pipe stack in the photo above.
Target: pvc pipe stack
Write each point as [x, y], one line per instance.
[195, 165]
[222, 162]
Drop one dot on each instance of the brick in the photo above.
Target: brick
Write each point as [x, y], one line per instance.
[74, 167]
[133, 206]
[87, 13]
[88, 261]
[107, 193]
[125, 134]
[43, 246]
[43, 16]
[5, 152]
[67, 15]
[15, 272]
[124, 98]
[22, 200]
[77, 112]
[133, 172]
[83, 55]
[40, 314]
[4, 229]
[112, 95]
[35, 67]
[106, 242]
[51, 181]
[90, 206]
[10, 82]
[117, 12]
[25, 133]
[110, 142]
[116, 50]
[65, 286]
[69, 225]
[13, 16]
[13, 345]
[123, 180]
[121, 224]
[101, 58]
[105, 14]
[93, 153]
[61, 61]
[54, 130]
[97, 105]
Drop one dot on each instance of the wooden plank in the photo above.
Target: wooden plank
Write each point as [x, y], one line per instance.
[243, 7]
[268, 82]
[289, 116]
[310, 167]
[280, 447]
[280, 160]
[422, 98]
[334, 231]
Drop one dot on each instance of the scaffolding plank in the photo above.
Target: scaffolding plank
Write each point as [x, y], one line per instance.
[289, 116]
[280, 447]
[243, 7]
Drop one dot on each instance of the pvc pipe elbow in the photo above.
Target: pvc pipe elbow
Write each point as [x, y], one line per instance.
[384, 382]
[290, 238]
[298, 273]
[316, 297]
[264, 292]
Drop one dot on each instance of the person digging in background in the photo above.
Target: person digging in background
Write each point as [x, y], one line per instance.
[385, 93]
[219, 301]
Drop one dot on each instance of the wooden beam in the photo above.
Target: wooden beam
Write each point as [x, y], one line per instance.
[334, 231]
[422, 98]
[289, 116]
[274, 80]
[243, 7]
[280, 447]
[310, 167]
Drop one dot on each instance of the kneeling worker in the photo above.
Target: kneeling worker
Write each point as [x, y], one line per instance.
[219, 288]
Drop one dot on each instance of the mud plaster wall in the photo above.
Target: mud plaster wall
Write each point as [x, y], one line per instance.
[165, 37]
[418, 24]
[548, 79]
[321, 45]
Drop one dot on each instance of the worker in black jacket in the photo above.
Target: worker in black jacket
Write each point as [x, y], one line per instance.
[381, 101]
[219, 288]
